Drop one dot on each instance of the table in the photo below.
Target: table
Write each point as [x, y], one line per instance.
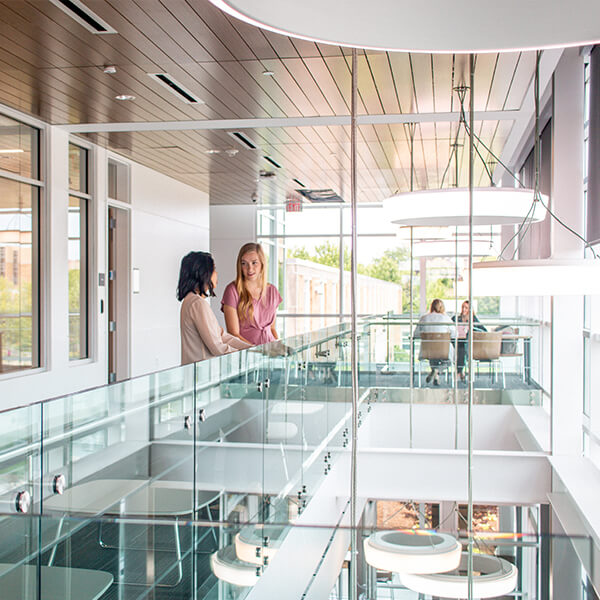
[127, 497]
[56, 583]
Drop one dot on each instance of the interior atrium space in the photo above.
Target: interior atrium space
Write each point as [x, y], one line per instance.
[299, 300]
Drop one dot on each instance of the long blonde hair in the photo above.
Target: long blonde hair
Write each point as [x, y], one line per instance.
[245, 307]
[437, 306]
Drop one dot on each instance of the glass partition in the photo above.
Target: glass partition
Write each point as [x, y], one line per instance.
[420, 556]
[158, 473]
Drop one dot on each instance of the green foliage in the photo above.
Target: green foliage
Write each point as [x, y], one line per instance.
[74, 291]
[16, 330]
[14, 299]
[440, 288]
[387, 267]
[488, 305]
[325, 254]
[390, 266]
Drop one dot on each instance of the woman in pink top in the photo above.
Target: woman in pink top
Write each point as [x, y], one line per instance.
[250, 303]
[201, 335]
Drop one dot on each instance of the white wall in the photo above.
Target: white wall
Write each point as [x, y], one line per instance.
[231, 228]
[168, 220]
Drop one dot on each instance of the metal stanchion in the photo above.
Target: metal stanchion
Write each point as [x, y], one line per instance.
[353, 591]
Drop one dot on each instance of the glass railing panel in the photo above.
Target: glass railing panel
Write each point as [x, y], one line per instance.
[514, 376]
[21, 486]
[121, 449]
[404, 549]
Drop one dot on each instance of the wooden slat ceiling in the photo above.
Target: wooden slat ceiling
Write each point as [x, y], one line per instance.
[52, 67]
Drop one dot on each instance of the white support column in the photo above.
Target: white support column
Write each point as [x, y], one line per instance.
[565, 567]
[57, 247]
[423, 285]
[567, 155]
[567, 204]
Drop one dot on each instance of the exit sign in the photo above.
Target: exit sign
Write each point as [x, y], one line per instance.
[293, 206]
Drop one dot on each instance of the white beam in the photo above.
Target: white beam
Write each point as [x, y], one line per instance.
[235, 124]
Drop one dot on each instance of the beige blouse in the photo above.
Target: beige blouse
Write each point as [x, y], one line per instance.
[201, 335]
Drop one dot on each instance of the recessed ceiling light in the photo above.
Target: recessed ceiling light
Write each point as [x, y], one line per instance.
[124, 97]
[12, 151]
[176, 88]
[84, 16]
[212, 151]
[268, 73]
[110, 69]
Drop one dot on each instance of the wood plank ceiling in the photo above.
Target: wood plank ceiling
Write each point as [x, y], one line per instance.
[52, 67]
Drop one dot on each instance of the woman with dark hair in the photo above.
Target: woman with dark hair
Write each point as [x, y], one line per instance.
[250, 302]
[201, 335]
[461, 343]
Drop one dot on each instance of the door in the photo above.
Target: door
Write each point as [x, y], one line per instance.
[119, 293]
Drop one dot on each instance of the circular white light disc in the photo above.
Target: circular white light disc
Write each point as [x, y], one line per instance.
[251, 538]
[450, 207]
[412, 552]
[496, 577]
[228, 567]
[281, 430]
[538, 277]
[451, 248]
[460, 26]
[296, 408]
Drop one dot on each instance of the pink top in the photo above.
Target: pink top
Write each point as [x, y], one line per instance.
[258, 331]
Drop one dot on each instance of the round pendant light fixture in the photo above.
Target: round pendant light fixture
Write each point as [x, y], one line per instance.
[496, 577]
[433, 26]
[449, 248]
[297, 408]
[537, 277]
[255, 542]
[412, 551]
[450, 207]
[226, 566]
[281, 430]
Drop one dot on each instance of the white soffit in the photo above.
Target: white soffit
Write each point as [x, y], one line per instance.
[432, 26]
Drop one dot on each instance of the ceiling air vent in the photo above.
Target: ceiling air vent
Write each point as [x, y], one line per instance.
[273, 162]
[176, 88]
[321, 196]
[242, 139]
[84, 16]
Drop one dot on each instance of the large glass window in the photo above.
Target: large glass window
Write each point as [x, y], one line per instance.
[78, 255]
[19, 246]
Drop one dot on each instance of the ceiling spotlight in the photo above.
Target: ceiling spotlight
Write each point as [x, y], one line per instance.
[109, 69]
[124, 97]
[231, 152]
[268, 73]
[212, 151]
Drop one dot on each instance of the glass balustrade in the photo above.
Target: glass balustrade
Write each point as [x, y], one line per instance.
[138, 489]
[411, 552]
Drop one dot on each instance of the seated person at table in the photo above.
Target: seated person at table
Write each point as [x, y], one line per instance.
[436, 321]
[463, 330]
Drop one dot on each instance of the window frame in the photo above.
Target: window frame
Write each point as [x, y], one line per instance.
[86, 200]
[39, 244]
